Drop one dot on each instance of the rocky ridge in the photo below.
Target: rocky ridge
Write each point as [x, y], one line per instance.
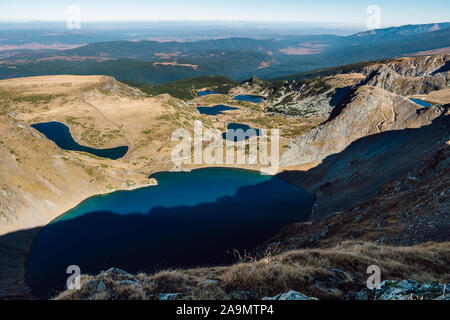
[409, 76]
[368, 113]
[316, 98]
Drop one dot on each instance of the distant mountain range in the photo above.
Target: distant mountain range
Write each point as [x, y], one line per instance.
[156, 62]
[407, 30]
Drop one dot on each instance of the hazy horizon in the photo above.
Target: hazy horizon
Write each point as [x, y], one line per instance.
[345, 12]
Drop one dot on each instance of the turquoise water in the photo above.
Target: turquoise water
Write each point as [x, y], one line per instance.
[59, 133]
[190, 219]
[421, 102]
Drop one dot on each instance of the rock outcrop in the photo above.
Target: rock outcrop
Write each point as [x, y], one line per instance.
[409, 76]
[413, 66]
[406, 290]
[388, 290]
[318, 97]
[337, 272]
[369, 111]
[310, 98]
[291, 295]
[365, 132]
[357, 173]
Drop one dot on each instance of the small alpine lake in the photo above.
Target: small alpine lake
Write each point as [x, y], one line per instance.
[233, 132]
[215, 110]
[59, 133]
[206, 93]
[422, 103]
[248, 98]
[189, 219]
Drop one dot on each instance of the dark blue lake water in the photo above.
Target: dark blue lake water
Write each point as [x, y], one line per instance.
[215, 110]
[59, 133]
[248, 98]
[232, 133]
[205, 93]
[421, 102]
[190, 219]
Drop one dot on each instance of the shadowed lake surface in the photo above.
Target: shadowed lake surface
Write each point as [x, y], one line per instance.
[190, 219]
[205, 93]
[215, 110]
[248, 98]
[233, 134]
[59, 133]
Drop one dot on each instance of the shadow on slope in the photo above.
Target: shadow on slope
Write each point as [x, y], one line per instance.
[357, 173]
[204, 234]
[444, 68]
[339, 101]
[14, 248]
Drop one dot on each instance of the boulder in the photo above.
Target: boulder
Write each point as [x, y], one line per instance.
[169, 296]
[405, 290]
[291, 295]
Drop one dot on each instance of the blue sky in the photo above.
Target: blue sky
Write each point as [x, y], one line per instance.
[343, 11]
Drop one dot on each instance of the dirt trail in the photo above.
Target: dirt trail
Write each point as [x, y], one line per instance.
[128, 142]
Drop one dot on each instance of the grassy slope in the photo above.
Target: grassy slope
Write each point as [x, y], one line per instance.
[314, 272]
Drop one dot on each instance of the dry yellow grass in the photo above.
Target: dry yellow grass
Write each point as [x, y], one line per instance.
[328, 273]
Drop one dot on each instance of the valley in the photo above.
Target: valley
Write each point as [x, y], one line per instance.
[354, 140]
[238, 58]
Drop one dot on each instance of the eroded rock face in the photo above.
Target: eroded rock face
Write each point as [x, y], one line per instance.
[318, 97]
[315, 106]
[370, 111]
[357, 161]
[373, 135]
[385, 78]
[409, 76]
[311, 98]
[314, 98]
[416, 66]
